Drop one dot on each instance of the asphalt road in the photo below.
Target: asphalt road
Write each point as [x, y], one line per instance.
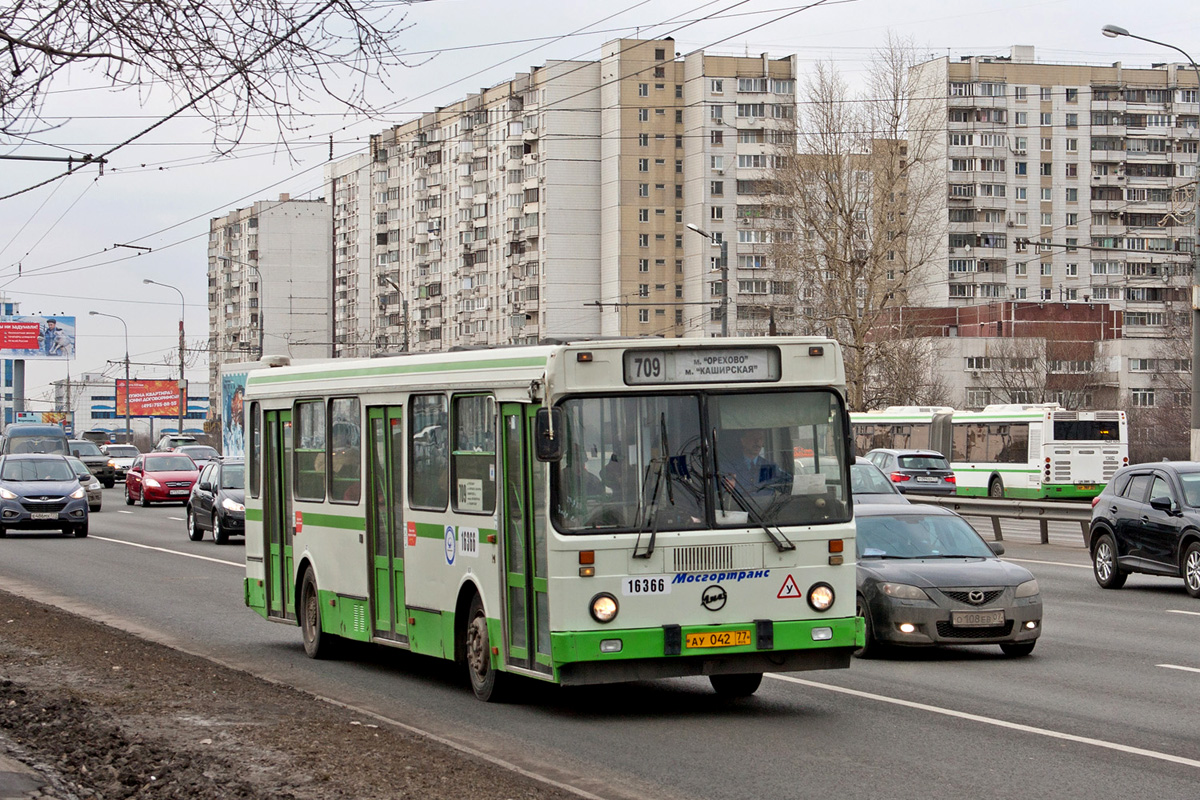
[1099, 710]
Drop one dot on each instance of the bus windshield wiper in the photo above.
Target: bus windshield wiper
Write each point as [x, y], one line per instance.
[662, 475]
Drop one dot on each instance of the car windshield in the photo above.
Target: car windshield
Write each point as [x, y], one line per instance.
[38, 444]
[117, 451]
[918, 536]
[233, 476]
[40, 469]
[80, 468]
[1191, 488]
[170, 464]
[201, 452]
[867, 479]
[643, 463]
[85, 448]
[923, 462]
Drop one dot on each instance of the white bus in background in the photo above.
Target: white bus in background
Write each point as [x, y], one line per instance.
[1018, 451]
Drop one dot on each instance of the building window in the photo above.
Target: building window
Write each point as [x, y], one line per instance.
[1141, 398]
[643, 215]
[643, 165]
[1022, 118]
[643, 90]
[1045, 118]
[643, 265]
[716, 188]
[643, 315]
[643, 190]
[1072, 120]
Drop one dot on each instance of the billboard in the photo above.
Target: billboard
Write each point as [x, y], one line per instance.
[233, 431]
[148, 398]
[37, 338]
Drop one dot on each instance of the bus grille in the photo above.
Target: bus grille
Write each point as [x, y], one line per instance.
[716, 556]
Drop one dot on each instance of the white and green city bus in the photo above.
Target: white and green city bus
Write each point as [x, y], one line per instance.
[1020, 451]
[579, 513]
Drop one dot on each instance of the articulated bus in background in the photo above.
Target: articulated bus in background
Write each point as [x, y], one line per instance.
[1019, 451]
[577, 513]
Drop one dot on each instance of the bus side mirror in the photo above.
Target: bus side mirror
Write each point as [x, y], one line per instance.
[548, 433]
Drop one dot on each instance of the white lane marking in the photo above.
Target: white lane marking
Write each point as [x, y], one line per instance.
[177, 519]
[1049, 563]
[172, 552]
[123, 511]
[1176, 666]
[999, 723]
[1190, 613]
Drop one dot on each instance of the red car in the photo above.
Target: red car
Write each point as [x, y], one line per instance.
[160, 478]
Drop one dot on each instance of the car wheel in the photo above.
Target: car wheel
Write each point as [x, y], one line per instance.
[81, 530]
[1017, 649]
[94, 509]
[872, 647]
[738, 685]
[128, 496]
[485, 682]
[3, 533]
[317, 643]
[1191, 569]
[108, 484]
[1104, 563]
[194, 531]
[145, 499]
[996, 488]
[219, 534]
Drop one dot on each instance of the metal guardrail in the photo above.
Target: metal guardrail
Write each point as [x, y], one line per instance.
[997, 510]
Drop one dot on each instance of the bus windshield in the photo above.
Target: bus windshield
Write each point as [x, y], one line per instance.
[642, 463]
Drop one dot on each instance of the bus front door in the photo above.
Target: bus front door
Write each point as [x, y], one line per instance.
[278, 517]
[385, 521]
[526, 609]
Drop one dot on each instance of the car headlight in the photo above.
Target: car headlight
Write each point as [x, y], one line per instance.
[79, 494]
[1028, 589]
[112, 463]
[229, 504]
[7, 495]
[820, 596]
[153, 484]
[604, 607]
[902, 591]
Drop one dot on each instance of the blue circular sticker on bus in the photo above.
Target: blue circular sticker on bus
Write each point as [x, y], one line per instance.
[450, 545]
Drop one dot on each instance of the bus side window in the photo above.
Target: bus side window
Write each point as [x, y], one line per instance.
[310, 451]
[429, 452]
[345, 451]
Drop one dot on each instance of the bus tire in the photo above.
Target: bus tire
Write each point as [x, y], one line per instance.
[995, 488]
[741, 684]
[317, 643]
[1191, 569]
[1104, 563]
[486, 683]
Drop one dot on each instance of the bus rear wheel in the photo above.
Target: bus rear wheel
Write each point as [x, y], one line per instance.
[738, 685]
[486, 683]
[996, 488]
[317, 643]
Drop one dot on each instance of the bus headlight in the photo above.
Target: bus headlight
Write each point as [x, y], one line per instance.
[604, 607]
[820, 596]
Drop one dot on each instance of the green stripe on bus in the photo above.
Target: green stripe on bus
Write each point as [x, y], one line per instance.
[333, 521]
[253, 514]
[575, 646]
[257, 378]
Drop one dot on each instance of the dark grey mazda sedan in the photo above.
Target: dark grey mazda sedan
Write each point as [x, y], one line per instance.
[926, 577]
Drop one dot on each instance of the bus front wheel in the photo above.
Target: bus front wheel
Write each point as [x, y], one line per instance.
[485, 682]
[996, 488]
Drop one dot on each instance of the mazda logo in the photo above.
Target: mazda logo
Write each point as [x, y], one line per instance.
[975, 596]
[713, 598]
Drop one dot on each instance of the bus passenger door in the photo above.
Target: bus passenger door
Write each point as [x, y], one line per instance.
[526, 609]
[278, 517]
[385, 521]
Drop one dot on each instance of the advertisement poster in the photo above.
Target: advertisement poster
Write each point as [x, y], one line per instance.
[148, 398]
[233, 415]
[37, 338]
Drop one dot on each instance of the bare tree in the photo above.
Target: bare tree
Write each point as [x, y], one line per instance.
[865, 220]
[1033, 369]
[1160, 430]
[231, 61]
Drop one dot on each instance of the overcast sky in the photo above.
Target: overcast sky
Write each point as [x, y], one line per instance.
[56, 243]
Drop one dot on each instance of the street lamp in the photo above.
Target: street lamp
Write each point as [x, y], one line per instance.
[724, 268]
[262, 306]
[128, 431]
[1112, 32]
[182, 382]
[404, 306]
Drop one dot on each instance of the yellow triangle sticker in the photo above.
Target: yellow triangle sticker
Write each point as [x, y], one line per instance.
[789, 589]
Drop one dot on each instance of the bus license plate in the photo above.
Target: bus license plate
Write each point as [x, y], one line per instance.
[977, 619]
[718, 639]
[43, 515]
[1085, 487]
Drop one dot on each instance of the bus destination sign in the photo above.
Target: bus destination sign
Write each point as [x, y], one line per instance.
[725, 365]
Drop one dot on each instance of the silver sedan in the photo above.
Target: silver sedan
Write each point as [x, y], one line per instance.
[95, 492]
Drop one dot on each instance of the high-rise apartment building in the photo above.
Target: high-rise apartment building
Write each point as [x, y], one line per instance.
[1066, 183]
[269, 282]
[557, 203]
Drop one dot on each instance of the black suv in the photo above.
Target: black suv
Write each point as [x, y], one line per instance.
[1147, 519]
[97, 462]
